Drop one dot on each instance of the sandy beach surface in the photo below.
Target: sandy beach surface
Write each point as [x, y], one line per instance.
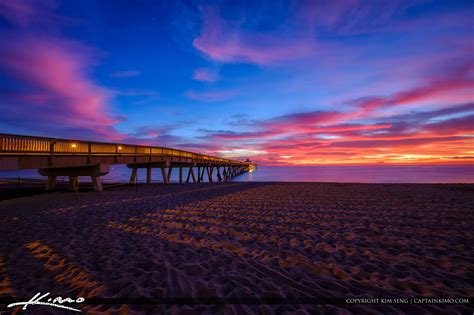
[243, 240]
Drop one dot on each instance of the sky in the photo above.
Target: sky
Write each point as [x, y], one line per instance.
[279, 82]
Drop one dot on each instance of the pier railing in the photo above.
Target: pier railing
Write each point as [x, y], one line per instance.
[28, 145]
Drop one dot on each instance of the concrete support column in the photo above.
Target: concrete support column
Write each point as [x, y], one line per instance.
[148, 175]
[73, 183]
[149, 166]
[209, 173]
[94, 171]
[97, 183]
[180, 175]
[51, 183]
[163, 174]
[199, 174]
[189, 175]
[170, 170]
[191, 170]
[219, 177]
[133, 176]
[201, 178]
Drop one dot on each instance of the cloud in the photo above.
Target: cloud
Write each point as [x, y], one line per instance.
[200, 147]
[225, 41]
[31, 14]
[239, 153]
[233, 135]
[151, 132]
[138, 92]
[349, 17]
[302, 121]
[456, 80]
[206, 75]
[212, 96]
[55, 85]
[377, 143]
[415, 118]
[459, 125]
[313, 137]
[240, 120]
[126, 74]
[49, 83]
[295, 32]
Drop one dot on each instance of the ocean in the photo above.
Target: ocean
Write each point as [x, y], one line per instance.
[345, 174]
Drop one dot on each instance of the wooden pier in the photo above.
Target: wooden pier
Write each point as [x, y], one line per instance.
[55, 157]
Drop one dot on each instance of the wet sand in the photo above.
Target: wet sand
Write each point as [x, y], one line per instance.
[238, 240]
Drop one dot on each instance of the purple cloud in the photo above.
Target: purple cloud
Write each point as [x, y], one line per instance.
[225, 41]
[206, 75]
[52, 88]
[125, 74]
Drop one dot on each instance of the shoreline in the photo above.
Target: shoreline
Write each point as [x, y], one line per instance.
[29, 187]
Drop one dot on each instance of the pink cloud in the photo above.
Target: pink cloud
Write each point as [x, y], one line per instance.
[225, 41]
[309, 130]
[377, 143]
[453, 80]
[53, 89]
[203, 74]
[57, 70]
[229, 40]
[451, 85]
[306, 125]
[313, 137]
[301, 121]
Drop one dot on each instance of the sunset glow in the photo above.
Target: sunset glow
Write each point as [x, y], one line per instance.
[307, 82]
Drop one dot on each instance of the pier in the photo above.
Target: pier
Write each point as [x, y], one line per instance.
[55, 157]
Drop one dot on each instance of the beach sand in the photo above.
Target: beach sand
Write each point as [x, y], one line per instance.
[243, 240]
